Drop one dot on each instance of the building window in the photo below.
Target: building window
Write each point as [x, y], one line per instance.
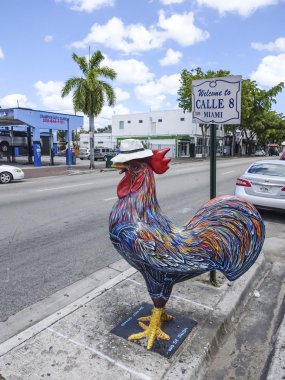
[140, 121]
[129, 121]
[182, 118]
[159, 120]
[121, 125]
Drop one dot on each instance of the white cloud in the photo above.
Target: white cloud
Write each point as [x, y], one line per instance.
[270, 71]
[50, 96]
[121, 95]
[116, 35]
[136, 37]
[153, 94]
[130, 71]
[181, 28]
[87, 5]
[242, 7]
[168, 2]
[48, 38]
[1, 54]
[277, 46]
[171, 58]
[15, 100]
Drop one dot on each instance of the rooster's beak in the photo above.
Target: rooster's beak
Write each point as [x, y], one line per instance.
[119, 166]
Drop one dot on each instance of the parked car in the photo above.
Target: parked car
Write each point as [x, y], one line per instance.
[263, 184]
[273, 151]
[100, 153]
[282, 157]
[260, 152]
[9, 173]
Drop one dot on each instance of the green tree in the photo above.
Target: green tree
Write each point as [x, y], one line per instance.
[107, 129]
[91, 92]
[273, 130]
[256, 113]
[256, 104]
[185, 94]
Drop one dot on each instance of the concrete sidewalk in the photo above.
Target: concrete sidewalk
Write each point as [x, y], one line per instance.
[76, 342]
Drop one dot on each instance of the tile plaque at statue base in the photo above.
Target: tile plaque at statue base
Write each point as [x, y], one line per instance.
[178, 330]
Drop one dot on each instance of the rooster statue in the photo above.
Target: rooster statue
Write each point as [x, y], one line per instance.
[226, 234]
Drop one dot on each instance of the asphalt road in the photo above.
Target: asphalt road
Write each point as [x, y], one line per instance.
[54, 231]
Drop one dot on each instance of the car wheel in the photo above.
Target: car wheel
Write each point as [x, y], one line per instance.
[4, 147]
[5, 177]
[81, 158]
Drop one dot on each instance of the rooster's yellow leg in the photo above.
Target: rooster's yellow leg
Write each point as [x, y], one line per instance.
[164, 317]
[153, 331]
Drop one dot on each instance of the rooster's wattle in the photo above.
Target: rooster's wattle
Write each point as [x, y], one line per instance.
[226, 234]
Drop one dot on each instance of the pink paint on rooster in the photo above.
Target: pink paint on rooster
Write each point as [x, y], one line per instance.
[226, 234]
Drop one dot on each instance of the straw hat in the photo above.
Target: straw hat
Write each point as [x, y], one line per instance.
[131, 149]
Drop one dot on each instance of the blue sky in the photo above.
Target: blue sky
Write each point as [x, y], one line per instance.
[148, 43]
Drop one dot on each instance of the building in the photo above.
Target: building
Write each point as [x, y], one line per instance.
[171, 128]
[36, 131]
[106, 140]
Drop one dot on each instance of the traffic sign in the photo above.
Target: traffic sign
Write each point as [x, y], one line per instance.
[216, 100]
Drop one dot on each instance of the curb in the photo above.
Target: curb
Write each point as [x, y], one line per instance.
[277, 366]
[20, 338]
[193, 362]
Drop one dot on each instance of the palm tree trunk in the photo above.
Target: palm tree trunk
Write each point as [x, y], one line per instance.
[91, 133]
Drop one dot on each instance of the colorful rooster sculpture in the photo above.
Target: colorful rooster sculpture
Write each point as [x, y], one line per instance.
[226, 234]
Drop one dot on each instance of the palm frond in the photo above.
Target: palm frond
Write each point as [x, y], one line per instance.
[82, 63]
[95, 60]
[70, 84]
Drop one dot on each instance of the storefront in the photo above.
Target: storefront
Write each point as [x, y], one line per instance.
[34, 125]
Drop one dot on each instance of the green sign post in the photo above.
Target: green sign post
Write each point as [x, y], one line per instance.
[216, 101]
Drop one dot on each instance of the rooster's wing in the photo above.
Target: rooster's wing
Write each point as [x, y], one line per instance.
[142, 244]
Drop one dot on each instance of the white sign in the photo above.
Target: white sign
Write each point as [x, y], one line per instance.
[216, 100]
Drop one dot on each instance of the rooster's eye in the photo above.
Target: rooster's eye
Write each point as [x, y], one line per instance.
[135, 168]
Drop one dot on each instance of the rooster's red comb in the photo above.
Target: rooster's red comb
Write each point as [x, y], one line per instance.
[158, 162]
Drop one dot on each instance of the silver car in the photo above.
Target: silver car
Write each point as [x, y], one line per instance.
[263, 184]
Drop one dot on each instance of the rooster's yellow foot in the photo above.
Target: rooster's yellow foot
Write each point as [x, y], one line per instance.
[164, 318]
[153, 331]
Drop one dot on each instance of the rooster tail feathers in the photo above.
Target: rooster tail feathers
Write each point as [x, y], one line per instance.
[232, 232]
[242, 257]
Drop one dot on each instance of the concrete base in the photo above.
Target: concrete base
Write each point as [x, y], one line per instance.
[76, 342]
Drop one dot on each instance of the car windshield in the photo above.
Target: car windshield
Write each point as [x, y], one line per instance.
[268, 169]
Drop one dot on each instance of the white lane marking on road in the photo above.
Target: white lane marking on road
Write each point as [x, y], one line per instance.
[101, 355]
[66, 187]
[180, 298]
[110, 199]
[231, 171]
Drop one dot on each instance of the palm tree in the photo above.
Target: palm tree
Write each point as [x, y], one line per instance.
[90, 92]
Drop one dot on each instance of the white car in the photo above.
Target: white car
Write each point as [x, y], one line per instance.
[9, 173]
[260, 152]
[263, 184]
